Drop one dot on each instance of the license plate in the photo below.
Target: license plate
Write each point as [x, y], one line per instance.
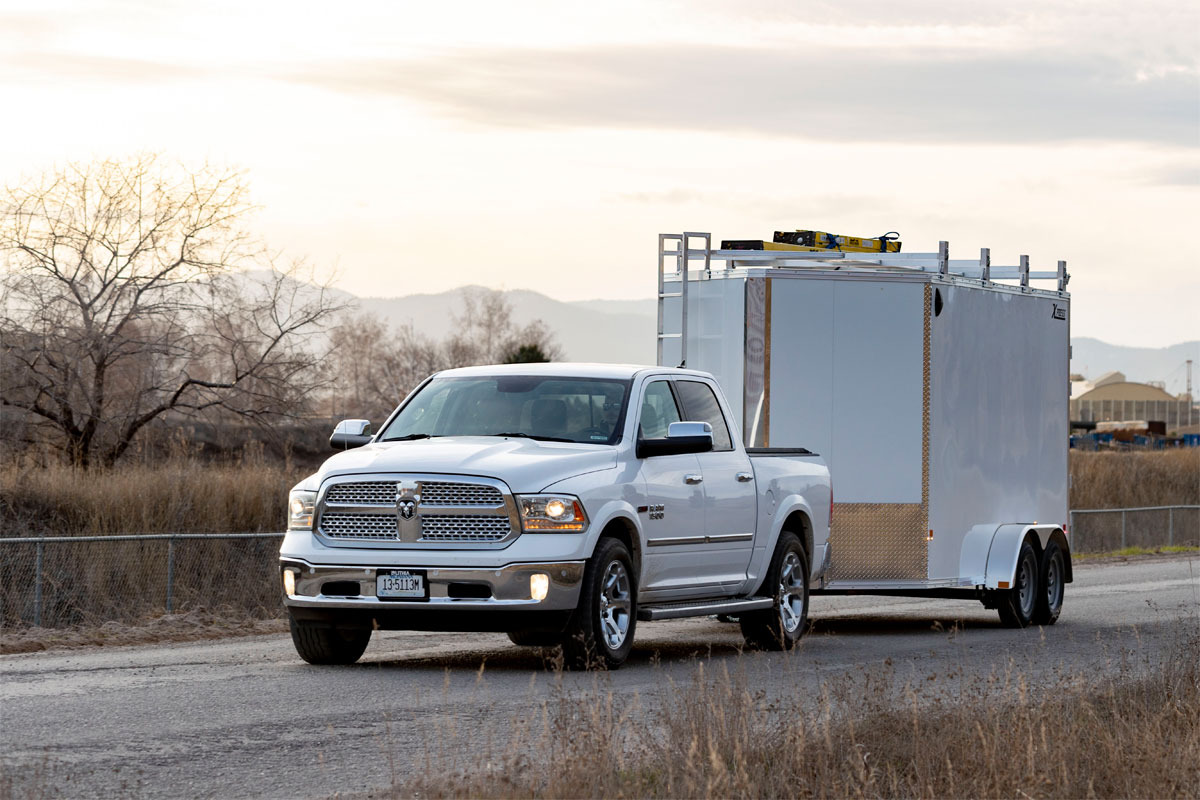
[402, 584]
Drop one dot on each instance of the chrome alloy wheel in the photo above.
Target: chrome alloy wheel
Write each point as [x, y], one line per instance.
[791, 592]
[1027, 586]
[616, 602]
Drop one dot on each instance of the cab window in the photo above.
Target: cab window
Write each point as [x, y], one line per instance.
[700, 405]
[658, 411]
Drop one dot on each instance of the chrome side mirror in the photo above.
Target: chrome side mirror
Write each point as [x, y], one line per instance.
[350, 433]
[682, 437]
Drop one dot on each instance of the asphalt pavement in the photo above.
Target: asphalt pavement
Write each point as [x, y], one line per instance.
[244, 717]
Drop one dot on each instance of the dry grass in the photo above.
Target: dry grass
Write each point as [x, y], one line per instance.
[1136, 734]
[190, 626]
[1132, 479]
[181, 495]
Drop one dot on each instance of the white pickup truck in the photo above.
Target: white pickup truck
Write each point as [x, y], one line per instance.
[559, 503]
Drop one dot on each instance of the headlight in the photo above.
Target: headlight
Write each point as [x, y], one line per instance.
[300, 510]
[551, 512]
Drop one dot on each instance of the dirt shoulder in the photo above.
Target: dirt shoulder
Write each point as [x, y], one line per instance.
[187, 627]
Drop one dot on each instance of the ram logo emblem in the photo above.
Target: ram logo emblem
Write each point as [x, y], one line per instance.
[408, 497]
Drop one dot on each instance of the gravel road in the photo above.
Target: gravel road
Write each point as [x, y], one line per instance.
[246, 718]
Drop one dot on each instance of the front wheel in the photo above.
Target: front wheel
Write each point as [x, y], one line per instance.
[600, 633]
[782, 625]
[325, 644]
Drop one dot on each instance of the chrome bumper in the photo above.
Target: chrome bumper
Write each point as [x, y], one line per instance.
[508, 587]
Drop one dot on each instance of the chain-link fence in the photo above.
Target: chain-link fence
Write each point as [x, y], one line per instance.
[1104, 530]
[80, 580]
[57, 581]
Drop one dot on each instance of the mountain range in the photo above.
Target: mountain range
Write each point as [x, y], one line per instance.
[623, 331]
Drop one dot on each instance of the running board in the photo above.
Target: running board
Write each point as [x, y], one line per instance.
[702, 609]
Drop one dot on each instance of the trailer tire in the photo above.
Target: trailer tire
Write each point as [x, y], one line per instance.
[1050, 587]
[781, 626]
[325, 644]
[1017, 604]
[600, 632]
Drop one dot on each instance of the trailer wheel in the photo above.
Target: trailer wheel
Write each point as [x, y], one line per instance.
[1050, 586]
[782, 625]
[600, 633]
[1017, 604]
[324, 644]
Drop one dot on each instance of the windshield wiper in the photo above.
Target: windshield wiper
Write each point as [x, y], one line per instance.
[520, 435]
[408, 437]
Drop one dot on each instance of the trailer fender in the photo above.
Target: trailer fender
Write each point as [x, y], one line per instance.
[1006, 548]
[973, 558]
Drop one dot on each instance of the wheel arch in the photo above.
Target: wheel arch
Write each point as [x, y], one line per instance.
[1005, 550]
[624, 530]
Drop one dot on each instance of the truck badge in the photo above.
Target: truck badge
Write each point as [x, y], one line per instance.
[408, 495]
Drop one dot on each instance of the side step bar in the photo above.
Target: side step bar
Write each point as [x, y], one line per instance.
[702, 609]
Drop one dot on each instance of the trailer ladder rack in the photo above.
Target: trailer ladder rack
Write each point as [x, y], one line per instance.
[940, 263]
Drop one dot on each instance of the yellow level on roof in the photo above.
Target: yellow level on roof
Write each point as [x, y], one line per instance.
[820, 240]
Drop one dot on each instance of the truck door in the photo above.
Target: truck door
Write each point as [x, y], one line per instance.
[674, 499]
[730, 497]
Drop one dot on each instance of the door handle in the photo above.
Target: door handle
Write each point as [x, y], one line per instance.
[693, 479]
[745, 477]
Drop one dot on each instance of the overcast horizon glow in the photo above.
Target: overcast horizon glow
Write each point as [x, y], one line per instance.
[543, 145]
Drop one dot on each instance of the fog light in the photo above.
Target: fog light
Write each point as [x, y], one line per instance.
[539, 586]
[289, 582]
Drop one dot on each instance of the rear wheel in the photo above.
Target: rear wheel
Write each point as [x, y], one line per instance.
[324, 644]
[1016, 604]
[782, 625]
[600, 633]
[1050, 586]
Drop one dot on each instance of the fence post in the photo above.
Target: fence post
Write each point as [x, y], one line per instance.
[170, 571]
[1122, 529]
[1170, 526]
[37, 589]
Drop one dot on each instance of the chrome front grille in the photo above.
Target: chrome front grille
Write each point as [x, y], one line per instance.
[460, 494]
[340, 525]
[461, 528]
[460, 512]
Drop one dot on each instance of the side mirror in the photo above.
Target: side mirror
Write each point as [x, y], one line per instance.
[682, 437]
[350, 433]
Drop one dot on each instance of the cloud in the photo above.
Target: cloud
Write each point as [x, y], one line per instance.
[893, 95]
[1173, 175]
[95, 69]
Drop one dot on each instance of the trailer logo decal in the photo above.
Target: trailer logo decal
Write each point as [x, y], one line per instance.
[1058, 312]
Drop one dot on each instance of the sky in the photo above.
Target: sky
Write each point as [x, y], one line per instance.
[417, 147]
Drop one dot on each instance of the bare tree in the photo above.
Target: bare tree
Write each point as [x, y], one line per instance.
[372, 368]
[121, 301]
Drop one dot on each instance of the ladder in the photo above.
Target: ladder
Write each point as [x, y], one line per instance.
[682, 253]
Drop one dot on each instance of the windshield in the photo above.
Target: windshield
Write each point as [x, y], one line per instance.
[584, 410]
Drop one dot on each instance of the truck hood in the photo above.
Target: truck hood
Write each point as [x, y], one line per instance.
[526, 465]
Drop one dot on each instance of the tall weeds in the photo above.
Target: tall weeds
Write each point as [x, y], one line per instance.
[1131, 479]
[1135, 734]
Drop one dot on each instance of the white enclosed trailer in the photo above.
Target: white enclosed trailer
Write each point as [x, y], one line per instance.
[937, 395]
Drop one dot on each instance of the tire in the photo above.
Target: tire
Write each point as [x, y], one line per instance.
[1050, 586]
[323, 644]
[534, 638]
[781, 626]
[600, 632]
[1017, 604]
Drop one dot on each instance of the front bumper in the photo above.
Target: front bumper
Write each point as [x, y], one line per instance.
[506, 588]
